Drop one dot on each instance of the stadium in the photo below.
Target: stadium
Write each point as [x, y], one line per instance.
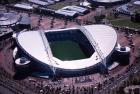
[9, 19]
[107, 3]
[73, 51]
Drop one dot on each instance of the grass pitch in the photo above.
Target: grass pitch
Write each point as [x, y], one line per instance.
[67, 50]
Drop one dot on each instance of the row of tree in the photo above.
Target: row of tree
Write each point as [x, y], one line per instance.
[7, 1]
[136, 17]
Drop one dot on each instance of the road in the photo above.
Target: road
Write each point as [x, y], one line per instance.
[4, 90]
[119, 80]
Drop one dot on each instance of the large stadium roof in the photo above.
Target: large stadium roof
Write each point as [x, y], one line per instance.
[105, 37]
[106, 1]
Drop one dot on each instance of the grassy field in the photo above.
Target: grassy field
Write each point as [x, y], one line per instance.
[125, 23]
[67, 50]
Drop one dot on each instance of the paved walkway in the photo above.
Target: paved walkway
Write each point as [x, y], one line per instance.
[4, 90]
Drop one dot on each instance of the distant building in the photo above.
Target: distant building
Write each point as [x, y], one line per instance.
[25, 22]
[16, 21]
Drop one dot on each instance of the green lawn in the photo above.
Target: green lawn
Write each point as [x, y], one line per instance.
[67, 50]
[126, 22]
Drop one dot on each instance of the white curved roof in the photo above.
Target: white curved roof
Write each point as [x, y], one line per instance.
[137, 2]
[15, 52]
[22, 61]
[107, 1]
[104, 36]
[24, 6]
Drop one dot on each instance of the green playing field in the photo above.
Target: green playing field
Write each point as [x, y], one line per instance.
[67, 50]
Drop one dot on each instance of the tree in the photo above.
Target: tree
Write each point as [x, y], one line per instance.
[135, 17]
[99, 18]
[7, 1]
[116, 14]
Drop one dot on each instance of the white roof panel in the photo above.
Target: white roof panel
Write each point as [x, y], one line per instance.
[38, 2]
[66, 12]
[23, 6]
[78, 9]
